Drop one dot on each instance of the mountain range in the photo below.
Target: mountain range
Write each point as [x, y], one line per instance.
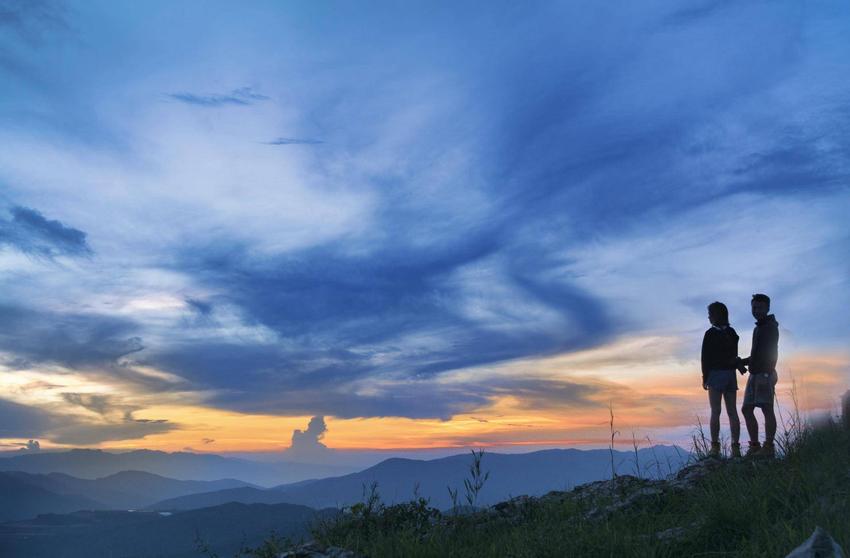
[41, 512]
[26, 495]
[91, 464]
[532, 473]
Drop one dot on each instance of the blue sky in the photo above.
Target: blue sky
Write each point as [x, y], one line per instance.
[365, 210]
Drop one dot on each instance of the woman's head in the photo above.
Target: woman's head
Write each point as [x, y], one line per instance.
[718, 314]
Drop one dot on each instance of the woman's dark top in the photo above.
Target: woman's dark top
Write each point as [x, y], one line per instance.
[719, 350]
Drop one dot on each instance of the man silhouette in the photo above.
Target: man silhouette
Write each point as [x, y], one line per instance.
[761, 385]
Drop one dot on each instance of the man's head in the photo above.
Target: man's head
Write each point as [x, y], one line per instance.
[718, 314]
[760, 305]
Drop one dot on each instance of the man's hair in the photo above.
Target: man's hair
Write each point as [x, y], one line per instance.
[758, 297]
[719, 310]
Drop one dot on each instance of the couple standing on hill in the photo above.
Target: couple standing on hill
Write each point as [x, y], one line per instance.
[720, 360]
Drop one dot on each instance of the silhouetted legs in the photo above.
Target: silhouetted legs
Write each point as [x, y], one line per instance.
[769, 423]
[752, 424]
[714, 399]
[732, 412]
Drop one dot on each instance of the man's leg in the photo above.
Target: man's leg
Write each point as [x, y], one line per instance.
[769, 423]
[752, 423]
[732, 412]
[714, 397]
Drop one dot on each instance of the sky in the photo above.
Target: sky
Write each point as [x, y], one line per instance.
[292, 226]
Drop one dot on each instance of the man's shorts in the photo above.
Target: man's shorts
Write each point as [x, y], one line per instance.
[722, 380]
[760, 390]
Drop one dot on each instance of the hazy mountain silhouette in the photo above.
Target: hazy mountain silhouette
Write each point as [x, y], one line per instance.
[510, 475]
[21, 500]
[91, 464]
[27, 494]
[244, 495]
[112, 533]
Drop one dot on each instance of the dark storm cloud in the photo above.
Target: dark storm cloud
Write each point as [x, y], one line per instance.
[30, 232]
[242, 96]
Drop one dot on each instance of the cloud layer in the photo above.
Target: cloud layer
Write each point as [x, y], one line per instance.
[490, 186]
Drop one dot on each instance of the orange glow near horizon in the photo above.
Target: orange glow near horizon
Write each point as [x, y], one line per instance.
[652, 394]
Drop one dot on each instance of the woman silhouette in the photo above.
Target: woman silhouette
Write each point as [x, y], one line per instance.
[719, 360]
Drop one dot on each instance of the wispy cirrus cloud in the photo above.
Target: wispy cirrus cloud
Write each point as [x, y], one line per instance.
[294, 141]
[242, 96]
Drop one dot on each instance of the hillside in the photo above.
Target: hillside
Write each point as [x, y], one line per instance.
[742, 507]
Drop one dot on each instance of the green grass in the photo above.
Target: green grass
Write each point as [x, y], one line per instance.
[745, 508]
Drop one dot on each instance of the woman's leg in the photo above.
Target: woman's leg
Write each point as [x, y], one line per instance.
[732, 412]
[714, 398]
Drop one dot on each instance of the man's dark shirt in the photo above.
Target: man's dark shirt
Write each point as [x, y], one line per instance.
[765, 350]
[719, 350]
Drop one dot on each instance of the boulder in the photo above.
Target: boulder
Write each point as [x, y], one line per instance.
[819, 545]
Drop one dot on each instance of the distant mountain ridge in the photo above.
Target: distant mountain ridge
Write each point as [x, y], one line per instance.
[25, 495]
[91, 464]
[532, 473]
[21, 500]
[244, 495]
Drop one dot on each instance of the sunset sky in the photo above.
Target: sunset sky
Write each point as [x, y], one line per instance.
[434, 224]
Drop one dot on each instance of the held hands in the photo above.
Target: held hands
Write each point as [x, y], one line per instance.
[741, 365]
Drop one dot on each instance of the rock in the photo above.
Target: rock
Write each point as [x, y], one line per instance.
[692, 474]
[314, 550]
[819, 545]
